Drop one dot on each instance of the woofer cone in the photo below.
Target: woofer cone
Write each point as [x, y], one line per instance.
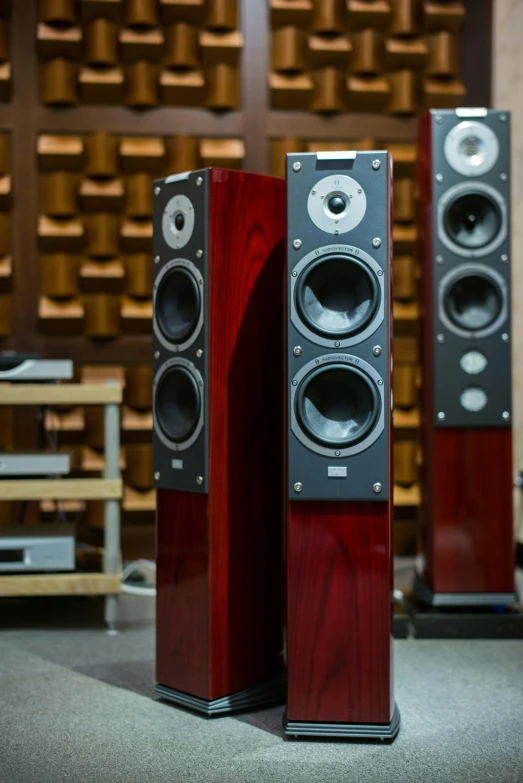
[177, 404]
[177, 305]
[337, 296]
[472, 220]
[473, 302]
[337, 405]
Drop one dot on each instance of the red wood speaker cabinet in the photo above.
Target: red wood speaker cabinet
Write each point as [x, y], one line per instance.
[463, 182]
[339, 442]
[219, 260]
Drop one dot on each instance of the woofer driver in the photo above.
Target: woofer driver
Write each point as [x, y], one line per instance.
[337, 405]
[473, 300]
[178, 304]
[472, 219]
[178, 404]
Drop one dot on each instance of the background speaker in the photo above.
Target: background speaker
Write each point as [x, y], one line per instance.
[464, 252]
[339, 443]
[218, 245]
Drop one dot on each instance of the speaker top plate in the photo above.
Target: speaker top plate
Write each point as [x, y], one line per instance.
[471, 148]
[337, 204]
[178, 221]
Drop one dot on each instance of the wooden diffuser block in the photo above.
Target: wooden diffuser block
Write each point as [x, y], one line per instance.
[139, 466]
[101, 43]
[60, 317]
[5, 191]
[5, 154]
[58, 82]
[98, 85]
[58, 194]
[182, 154]
[138, 276]
[99, 277]
[221, 15]
[324, 52]
[405, 283]
[6, 274]
[404, 95]
[290, 12]
[60, 152]
[102, 316]
[5, 233]
[136, 315]
[141, 45]
[191, 11]
[290, 92]
[135, 236]
[222, 87]
[367, 53]
[363, 14]
[59, 236]
[221, 48]
[185, 88]
[329, 91]
[405, 18]
[101, 156]
[108, 9]
[405, 387]
[439, 94]
[289, 50]
[403, 193]
[59, 42]
[367, 93]
[329, 17]
[443, 58]
[222, 153]
[138, 193]
[101, 195]
[141, 84]
[405, 462]
[140, 13]
[448, 16]
[102, 235]
[5, 315]
[142, 154]
[138, 386]
[57, 12]
[405, 53]
[182, 49]
[279, 149]
[60, 275]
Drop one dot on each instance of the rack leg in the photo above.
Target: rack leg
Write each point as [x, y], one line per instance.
[111, 611]
[112, 507]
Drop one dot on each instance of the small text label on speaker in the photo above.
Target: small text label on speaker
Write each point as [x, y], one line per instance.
[177, 464]
[337, 472]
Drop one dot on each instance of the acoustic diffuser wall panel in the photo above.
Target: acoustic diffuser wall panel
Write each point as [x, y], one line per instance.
[140, 53]
[395, 56]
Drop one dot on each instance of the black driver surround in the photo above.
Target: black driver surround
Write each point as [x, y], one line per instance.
[337, 296]
[177, 305]
[337, 405]
[472, 220]
[473, 301]
[178, 404]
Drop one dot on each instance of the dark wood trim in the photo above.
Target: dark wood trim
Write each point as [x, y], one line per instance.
[155, 122]
[255, 91]
[340, 127]
[476, 65]
[26, 267]
[126, 349]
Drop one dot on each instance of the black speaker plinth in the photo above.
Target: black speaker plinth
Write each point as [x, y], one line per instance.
[380, 732]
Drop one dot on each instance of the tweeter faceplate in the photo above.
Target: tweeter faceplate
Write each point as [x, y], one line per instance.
[178, 221]
[471, 148]
[336, 204]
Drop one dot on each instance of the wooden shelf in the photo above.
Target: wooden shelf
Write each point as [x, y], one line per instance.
[61, 489]
[60, 584]
[59, 394]
[133, 500]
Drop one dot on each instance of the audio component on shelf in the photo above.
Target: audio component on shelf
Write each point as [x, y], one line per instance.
[29, 368]
[38, 464]
[339, 445]
[218, 247]
[37, 548]
[463, 181]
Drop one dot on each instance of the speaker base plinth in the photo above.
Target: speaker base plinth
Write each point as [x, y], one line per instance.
[423, 593]
[268, 693]
[382, 732]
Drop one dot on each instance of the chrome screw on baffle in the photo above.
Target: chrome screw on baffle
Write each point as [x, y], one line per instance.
[296, 166]
[439, 259]
[199, 181]
[504, 337]
[156, 476]
[157, 259]
[441, 338]
[156, 190]
[503, 177]
[377, 350]
[298, 486]
[297, 350]
[441, 415]
[376, 165]
[296, 244]
[505, 415]
[199, 253]
[376, 242]
[199, 353]
[377, 487]
[199, 480]
[439, 177]
[157, 354]
[439, 119]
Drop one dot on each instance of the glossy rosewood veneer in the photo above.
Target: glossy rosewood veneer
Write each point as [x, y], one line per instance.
[219, 556]
[339, 612]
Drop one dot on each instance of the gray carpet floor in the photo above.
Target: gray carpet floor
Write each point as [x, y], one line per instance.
[76, 705]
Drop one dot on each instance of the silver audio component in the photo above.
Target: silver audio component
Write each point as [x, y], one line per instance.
[40, 548]
[34, 464]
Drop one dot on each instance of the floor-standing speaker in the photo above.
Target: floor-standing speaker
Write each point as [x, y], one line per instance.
[218, 258]
[339, 482]
[463, 183]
